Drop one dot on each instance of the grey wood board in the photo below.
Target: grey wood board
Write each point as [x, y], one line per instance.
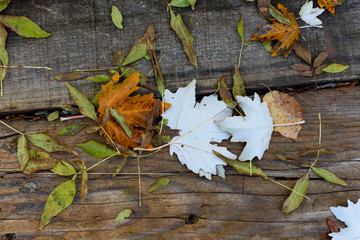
[83, 37]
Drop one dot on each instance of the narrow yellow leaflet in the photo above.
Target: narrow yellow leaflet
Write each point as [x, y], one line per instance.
[116, 17]
[295, 199]
[329, 176]
[159, 184]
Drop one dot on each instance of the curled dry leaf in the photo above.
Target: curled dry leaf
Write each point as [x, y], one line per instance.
[284, 109]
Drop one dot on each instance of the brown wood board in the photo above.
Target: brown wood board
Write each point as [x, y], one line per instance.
[83, 37]
[238, 207]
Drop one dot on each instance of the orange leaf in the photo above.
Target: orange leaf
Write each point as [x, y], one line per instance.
[135, 109]
[286, 35]
[329, 5]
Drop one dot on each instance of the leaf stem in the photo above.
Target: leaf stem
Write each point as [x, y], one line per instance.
[241, 50]
[30, 67]
[284, 186]
[105, 159]
[139, 178]
[94, 70]
[11, 128]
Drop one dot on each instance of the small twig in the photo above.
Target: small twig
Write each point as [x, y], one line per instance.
[11, 128]
[94, 70]
[29, 67]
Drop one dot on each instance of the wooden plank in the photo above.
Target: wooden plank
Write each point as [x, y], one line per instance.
[83, 37]
[240, 207]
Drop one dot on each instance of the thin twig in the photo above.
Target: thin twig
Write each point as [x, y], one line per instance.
[11, 128]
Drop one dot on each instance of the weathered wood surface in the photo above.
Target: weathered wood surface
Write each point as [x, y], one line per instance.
[238, 207]
[83, 37]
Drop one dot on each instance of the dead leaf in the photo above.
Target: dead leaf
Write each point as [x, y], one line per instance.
[38, 161]
[320, 59]
[284, 109]
[68, 76]
[286, 35]
[332, 225]
[238, 84]
[84, 186]
[329, 5]
[134, 109]
[224, 91]
[303, 53]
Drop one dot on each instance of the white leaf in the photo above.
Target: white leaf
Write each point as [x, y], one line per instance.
[197, 129]
[350, 215]
[255, 128]
[309, 14]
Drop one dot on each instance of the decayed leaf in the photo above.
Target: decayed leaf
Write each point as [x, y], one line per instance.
[71, 130]
[59, 199]
[238, 84]
[83, 103]
[177, 24]
[284, 109]
[329, 176]
[193, 146]
[320, 59]
[165, 136]
[99, 78]
[295, 199]
[309, 14]
[255, 128]
[84, 186]
[123, 214]
[224, 91]
[53, 116]
[335, 68]
[286, 35]
[329, 5]
[303, 53]
[22, 152]
[332, 225]
[23, 26]
[38, 161]
[159, 184]
[68, 76]
[135, 109]
[96, 149]
[63, 169]
[350, 215]
[243, 167]
[116, 17]
[91, 129]
[46, 143]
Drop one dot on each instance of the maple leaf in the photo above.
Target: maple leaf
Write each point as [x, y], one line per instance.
[197, 129]
[255, 128]
[286, 34]
[309, 14]
[350, 215]
[329, 5]
[136, 110]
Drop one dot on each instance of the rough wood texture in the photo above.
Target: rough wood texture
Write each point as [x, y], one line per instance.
[83, 37]
[238, 207]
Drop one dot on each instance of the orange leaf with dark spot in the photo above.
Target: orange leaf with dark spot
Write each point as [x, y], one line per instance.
[135, 109]
[286, 35]
[329, 5]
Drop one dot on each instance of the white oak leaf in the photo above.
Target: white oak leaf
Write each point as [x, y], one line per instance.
[197, 129]
[255, 128]
[350, 215]
[309, 14]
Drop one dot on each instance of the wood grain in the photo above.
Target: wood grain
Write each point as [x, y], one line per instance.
[190, 207]
[83, 37]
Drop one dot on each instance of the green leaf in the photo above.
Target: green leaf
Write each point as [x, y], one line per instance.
[267, 46]
[238, 84]
[96, 149]
[4, 4]
[71, 130]
[116, 17]
[83, 103]
[46, 143]
[185, 37]
[119, 167]
[94, 101]
[144, 81]
[53, 116]
[278, 15]
[68, 76]
[23, 26]
[192, 3]
[329, 176]
[335, 68]
[242, 167]
[180, 3]
[59, 199]
[295, 199]
[224, 91]
[22, 152]
[159, 184]
[99, 78]
[63, 169]
[121, 120]
[241, 28]
[38, 161]
[84, 186]
[123, 214]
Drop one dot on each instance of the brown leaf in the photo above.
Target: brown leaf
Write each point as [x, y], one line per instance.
[284, 109]
[332, 225]
[303, 53]
[68, 76]
[320, 59]
[286, 35]
[224, 91]
[39, 161]
[300, 67]
[319, 69]
[307, 74]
